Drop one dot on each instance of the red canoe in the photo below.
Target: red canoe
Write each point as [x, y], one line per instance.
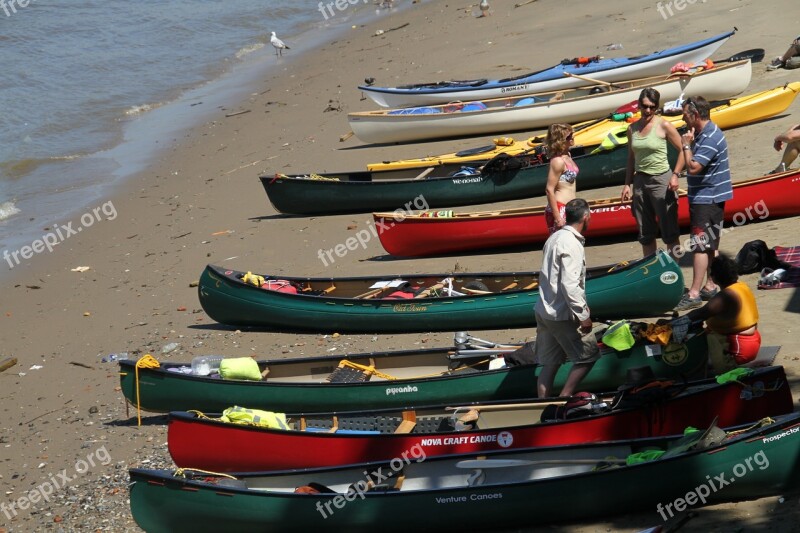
[755, 199]
[222, 447]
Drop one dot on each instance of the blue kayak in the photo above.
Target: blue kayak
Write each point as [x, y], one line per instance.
[555, 78]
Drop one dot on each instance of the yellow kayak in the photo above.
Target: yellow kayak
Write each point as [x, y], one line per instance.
[735, 112]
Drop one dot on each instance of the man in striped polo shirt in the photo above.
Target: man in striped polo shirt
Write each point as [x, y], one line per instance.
[708, 174]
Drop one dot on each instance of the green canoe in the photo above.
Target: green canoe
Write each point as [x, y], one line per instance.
[647, 287]
[494, 491]
[397, 379]
[365, 191]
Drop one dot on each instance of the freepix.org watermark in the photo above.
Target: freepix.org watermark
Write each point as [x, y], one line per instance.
[57, 482]
[704, 490]
[757, 210]
[341, 5]
[9, 7]
[364, 236]
[665, 8]
[60, 233]
[372, 479]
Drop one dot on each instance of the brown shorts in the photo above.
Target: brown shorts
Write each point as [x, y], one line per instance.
[560, 340]
[706, 221]
[655, 208]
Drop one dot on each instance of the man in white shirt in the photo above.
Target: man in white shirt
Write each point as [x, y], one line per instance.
[563, 326]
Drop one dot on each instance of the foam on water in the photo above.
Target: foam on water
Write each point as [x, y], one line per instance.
[8, 210]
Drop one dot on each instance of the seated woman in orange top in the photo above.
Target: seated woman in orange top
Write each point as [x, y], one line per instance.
[731, 318]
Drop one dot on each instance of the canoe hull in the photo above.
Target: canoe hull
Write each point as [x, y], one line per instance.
[164, 391]
[232, 447]
[651, 286]
[753, 200]
[552, 79]
[368, 192]
[720, 82]
[762, 463]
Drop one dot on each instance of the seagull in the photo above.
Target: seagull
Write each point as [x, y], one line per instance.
[484, 5]
[278, 44]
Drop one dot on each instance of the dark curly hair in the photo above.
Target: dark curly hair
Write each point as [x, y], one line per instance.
[723, 270]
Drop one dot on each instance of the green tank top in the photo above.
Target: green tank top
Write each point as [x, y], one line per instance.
[650, 152]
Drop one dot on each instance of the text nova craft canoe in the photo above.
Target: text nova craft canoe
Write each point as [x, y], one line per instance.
[345, 438]
[646, 287]
[551, 79]
[398, 379]
[754, 200]
[493, 491]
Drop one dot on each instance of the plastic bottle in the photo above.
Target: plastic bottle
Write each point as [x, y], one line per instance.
[615, 46]
[204, 365]
[169, 347]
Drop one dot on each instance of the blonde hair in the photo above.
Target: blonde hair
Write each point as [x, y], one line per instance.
[556, 142]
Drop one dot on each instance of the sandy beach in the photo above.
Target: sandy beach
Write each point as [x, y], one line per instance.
[201, 202]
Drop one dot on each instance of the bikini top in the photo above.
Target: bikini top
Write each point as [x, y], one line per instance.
[570, 174]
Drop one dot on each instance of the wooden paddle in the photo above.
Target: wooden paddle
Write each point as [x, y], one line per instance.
[590, 80]
[427, 292]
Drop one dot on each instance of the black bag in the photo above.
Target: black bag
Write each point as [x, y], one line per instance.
[755, 256]
[502, 162]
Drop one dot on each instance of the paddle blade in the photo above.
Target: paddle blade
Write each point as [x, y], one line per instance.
[755, 55]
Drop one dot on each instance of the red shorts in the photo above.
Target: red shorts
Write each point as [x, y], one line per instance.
[744, 348]
[550, 220]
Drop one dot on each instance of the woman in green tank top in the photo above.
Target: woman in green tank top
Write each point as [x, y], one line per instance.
[649, 178]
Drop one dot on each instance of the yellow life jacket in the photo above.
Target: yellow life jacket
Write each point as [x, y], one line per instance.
[255, 417]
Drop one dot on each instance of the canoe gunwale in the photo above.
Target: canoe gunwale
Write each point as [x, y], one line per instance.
[592, 273]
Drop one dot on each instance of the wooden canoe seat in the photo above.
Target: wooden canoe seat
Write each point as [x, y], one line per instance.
[424, 173]
[408, 423]
[475, 291]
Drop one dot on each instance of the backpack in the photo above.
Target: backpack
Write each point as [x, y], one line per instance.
[755, 256]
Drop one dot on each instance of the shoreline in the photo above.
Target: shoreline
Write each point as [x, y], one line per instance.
[200, 201]
[134, 144]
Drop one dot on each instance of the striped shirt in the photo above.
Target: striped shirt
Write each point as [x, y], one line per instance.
[713, 185]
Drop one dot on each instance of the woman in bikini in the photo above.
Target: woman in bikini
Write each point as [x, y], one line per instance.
[561, 178]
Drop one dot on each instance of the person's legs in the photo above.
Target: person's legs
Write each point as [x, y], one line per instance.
[576, 374]
[665, 207]
[548, 354]
[644, 214]
[582, 351]
[790, 153]
[544, 382]
[701, 261]
[793, 50]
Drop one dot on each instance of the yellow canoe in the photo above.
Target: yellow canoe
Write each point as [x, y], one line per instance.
[735, 112]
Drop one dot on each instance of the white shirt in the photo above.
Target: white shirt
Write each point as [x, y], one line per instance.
[562, 281]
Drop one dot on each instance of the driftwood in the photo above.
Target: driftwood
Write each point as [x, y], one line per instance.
[8, 363]
[237, 113]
